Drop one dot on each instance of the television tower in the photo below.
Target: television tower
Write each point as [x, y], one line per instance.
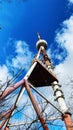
[40, 74]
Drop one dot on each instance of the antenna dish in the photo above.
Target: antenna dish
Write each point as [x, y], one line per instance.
[41, 42]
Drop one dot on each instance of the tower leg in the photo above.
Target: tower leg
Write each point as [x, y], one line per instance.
[6, 128]
[59, 96]
[7, 115]
[36, 107]
[68, 121]
[3, 123]
[55, 85]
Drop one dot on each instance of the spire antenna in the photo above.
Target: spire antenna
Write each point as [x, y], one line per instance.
[39, 37]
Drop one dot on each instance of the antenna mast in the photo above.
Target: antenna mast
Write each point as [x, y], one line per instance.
[33, 79]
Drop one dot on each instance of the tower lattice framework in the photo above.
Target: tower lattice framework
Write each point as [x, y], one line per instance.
[33, 79]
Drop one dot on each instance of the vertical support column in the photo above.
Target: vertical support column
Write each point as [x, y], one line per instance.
[55, 85]
[47, 60]
[36, 107]
[68, 121]
[6, 128]
[59, 95]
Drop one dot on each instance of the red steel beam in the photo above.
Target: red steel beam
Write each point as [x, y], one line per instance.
[6, 115]
[10, 89]
[3, 123]
[36, 107]
[68, 121]
[6, 128]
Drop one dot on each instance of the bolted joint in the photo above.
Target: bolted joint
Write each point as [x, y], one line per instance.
[50, 66]
[62, 96]
[59, 96]
[47, 58]
[55, 83]
[57, 91]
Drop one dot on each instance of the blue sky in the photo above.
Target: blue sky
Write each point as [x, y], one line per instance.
[20, 21]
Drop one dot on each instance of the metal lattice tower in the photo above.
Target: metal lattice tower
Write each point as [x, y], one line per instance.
[33, 79]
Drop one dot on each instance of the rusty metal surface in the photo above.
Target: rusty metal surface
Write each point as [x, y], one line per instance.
[10, 89]
[36, 107]
[68, 121]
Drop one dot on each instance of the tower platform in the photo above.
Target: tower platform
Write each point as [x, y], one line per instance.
[41, 76]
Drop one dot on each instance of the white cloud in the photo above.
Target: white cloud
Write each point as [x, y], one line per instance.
[71, 1]
[64, 38]
[3, 73]
[23, 56]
